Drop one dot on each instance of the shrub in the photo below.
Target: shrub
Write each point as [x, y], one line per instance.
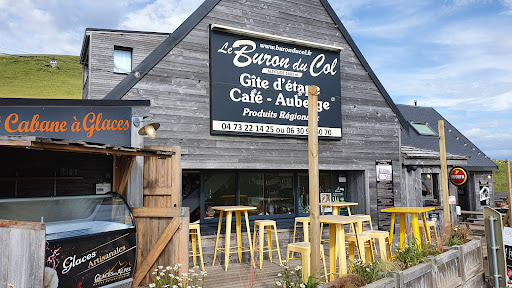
[412, 254]
[458, 236]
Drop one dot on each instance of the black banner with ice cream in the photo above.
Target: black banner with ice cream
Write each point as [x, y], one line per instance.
[91, 261]
[259, 87]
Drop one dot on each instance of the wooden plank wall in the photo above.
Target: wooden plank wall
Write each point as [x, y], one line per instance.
[22, 260]
[102, 79]
[178, 88]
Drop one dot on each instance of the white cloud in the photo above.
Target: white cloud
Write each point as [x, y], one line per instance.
[160, 16]
[508, 5]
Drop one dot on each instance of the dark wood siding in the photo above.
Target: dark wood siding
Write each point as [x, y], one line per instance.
[178, 88]
[101, 48]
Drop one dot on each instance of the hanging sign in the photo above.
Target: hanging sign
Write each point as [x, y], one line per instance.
[106, 125]
[259, 86]
[458, 176]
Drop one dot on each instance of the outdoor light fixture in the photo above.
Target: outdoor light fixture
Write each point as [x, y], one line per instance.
[489, 176]
[411, 168]
[429, 176]
[149, 130]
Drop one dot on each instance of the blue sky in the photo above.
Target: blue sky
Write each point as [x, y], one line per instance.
[453, 55]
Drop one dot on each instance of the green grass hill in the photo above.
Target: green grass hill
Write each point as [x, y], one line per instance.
[31, 76]
[500, 176]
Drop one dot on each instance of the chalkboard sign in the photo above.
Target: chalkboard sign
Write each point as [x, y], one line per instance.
[259, 87]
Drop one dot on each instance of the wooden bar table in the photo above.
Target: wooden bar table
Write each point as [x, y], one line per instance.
[337, 239]
[229, 215]
[414, 211]
[336, 206]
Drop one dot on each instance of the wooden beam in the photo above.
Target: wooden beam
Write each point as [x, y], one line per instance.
[509, 186]
[96, 150]
[314, 199]
[148, 262]
[149, 212]
[444, 177]
[127, 164]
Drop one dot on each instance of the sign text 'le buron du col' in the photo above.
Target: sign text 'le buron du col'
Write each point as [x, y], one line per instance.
[259, 87]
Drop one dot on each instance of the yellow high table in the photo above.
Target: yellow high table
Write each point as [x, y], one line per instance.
[337, 239]
[229, 215]
[336, 207]
[414, 211]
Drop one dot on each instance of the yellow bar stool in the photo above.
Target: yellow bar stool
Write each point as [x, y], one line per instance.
[267, 225]
[431, 226]
[364, 238]
[304, 223]
[304, 248]
[195, 232]
[381, 236]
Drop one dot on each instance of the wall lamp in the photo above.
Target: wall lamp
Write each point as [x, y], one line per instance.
[411, 168]
[149, 130]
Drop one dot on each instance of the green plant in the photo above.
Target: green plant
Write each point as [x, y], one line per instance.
[412, 254]
[458, 236]
[370, 272]
[170, 277]
[293, 279]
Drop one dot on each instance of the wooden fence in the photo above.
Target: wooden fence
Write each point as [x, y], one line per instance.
[460, 266]
[23, 254]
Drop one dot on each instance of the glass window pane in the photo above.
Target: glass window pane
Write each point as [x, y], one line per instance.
[219, 190]
[332, 189]
[122, 61]
[423, 129]
[279, 194]
[303, 193]
[251, 191]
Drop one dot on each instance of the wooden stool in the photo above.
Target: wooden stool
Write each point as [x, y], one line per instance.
[431, 226]
[266, 225]
[381, 236]
[195, 231]
[365, 238]
[304, 248]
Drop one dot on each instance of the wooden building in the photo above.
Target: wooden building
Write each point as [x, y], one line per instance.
[183, 75]
[421, 163]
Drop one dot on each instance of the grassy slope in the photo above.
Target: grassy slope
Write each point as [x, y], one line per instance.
[500, 176]
[31, 76]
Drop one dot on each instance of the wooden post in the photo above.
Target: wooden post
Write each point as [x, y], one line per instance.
[509, 186]
[444, 176]
[314, 198]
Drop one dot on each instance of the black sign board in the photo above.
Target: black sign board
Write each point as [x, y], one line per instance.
[107, 125]
[259, 87]
[91, 261]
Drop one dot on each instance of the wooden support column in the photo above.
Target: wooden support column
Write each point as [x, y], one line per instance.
[509, 186]
[314, 198]
[121, 174]
[444, 177]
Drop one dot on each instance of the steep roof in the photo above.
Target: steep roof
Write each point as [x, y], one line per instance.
[175, 38]
[456, 142]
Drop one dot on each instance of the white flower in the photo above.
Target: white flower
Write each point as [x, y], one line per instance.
[157, 278]
[298, 268]
[152, 285]
[302, 285]
[191, 270]
[279, 284]
[279, 274]
[168, 267]
[160, 267]
[162, 274]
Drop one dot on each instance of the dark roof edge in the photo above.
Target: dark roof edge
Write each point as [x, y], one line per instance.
[70, 102]
[481, 168]
[161, 51]
[365, 64]
[127, 31]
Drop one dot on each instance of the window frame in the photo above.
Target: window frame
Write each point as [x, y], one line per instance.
[123, 49]
[434, 133]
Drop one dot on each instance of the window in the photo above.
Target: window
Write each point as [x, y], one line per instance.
[423, 129]
[122, 60]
